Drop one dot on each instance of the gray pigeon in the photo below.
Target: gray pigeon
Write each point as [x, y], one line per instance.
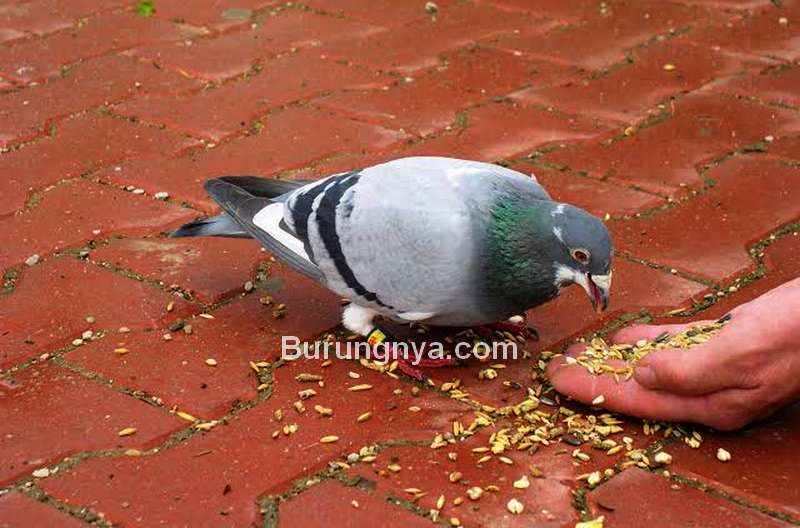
[434, 240]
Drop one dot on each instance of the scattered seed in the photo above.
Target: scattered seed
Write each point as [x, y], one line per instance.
[594, 523]
[170, 306]
[248, 286]
[32, 260]
[205, 426]
[723, 455]
[121, 350]
[515, 506]
[304, 376]
[306, 393]
[599, 400]
[123, 330]
[205, 316]
[455, 476]
[662, 457]
[522, 482]
[474, 493]
[211, 362]
[126, 431]
[362, 387]
[41, 473]
[324, 411]
[186, 416]
[394, 468]
[329, 439]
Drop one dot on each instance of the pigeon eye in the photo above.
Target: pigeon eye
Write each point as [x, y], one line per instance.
[581, 255]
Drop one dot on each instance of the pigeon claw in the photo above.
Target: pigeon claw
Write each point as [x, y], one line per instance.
[514, 327]
[411, 366]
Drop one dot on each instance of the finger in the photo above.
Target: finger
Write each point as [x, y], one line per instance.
[632, 334]
[627, 397]
[699, 370]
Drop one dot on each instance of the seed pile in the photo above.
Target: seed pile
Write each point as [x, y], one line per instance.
[585, 435]
[597, 357]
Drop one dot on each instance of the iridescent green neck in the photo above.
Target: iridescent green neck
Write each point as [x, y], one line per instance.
[519, 266]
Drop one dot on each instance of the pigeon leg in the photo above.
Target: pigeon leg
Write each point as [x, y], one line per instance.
[514, 327]
[410, 365]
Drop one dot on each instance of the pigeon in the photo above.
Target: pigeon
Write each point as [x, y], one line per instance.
[432, 240]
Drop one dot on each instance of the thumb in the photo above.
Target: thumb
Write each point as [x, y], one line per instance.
[694, 371]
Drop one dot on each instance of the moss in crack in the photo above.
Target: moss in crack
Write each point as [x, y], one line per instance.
[139, 394]
[79, 512]
[269, 509]
[759, 147]
[185, 294]
[10, 278]
[630, 258]
[581, 503]
[41, 358]
[538, 153]
[461, 120]
[696, 484]
[407, 505]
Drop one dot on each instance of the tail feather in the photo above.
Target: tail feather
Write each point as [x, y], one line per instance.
[224, 225]
[217, 226]
[264, 187]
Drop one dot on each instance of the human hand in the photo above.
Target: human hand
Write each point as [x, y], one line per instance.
[745, 373]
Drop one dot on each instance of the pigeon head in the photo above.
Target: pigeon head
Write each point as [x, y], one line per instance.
[581, 252]
[537, 249]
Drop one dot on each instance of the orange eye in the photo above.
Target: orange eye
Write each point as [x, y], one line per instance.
[581, 255]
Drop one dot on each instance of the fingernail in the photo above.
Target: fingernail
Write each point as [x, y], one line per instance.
[646, 376]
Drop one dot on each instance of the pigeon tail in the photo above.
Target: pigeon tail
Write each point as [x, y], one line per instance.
[215, 226]
[224, 225]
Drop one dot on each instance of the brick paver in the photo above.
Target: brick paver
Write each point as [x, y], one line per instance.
[676, 121]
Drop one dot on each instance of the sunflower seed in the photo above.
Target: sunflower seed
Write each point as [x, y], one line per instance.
[662, 457]
[522, 482]
[515, 506]
[474, 493]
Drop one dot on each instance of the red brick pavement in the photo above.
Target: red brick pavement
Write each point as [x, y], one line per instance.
[678, 121]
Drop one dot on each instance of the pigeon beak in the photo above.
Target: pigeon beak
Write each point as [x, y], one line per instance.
[597, 288]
